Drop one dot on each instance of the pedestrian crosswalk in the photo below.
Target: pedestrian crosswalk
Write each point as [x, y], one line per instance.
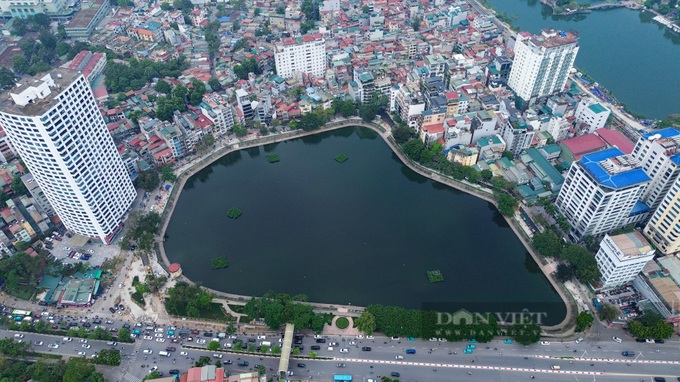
[130, 378]
[135, 351]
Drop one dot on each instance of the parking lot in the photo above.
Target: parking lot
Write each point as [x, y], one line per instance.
[626, 298]
[74, 249]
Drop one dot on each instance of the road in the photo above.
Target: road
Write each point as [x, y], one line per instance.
[598, 358]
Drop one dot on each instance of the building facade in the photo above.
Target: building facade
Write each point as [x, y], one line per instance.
[621, 257]
[659, 155]
[542, 63]
[663, 228]
[600, 192]
[57, 129]
[25, 8]
[301, 56]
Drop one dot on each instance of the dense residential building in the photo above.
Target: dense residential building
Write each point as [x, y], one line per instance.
[542, 63]
[592, 113]
[659, 155]
[243, 99]
[87, 18]
[296, 57]
[517, 134]
[663, 228]
[621, 257]
[601, 191]
[25, 8]
[56, 127]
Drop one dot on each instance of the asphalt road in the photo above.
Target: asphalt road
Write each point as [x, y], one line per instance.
[433, 361]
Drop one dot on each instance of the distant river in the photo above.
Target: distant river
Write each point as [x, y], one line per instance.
[362, 232]
[627, 52]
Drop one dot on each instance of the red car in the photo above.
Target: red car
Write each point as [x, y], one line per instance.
[55, 326]
[194, 331]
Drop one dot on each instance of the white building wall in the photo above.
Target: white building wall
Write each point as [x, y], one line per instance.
[301, 58]
[663, 229]
[71, 155]
[615, 267]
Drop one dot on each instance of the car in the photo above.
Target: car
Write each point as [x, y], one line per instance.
[243, 363]
[175, 340]
[53, 346]
[472, 340]
[97, 321]
[320, 340]
[261, 337]
[200, 341]
[83, 341]
[333, 344]
[171, 348]
[207, 334]
[153, 369]
[81, 353]
[410, 351]
[370, 337]
[341, 364]
[639, 340]
[395, 338]
[650, 341]
[67, 339]
[112, 310]
[183, 353]
[87, 346]
[148, 338]
[160, 339]
[545, 343]
[578, 340]
[352, 343]
[317, 336]
[87, 325]
[344, 350]
[411, 339]
[159, 335]
[253, 340]
[472, 346]
[126, 326]
[147, 351]
[216, 355]
[315, 347]
[109, 322]
[433, 339]
[507, 341]
[173, 372]
[442, 340]
[617, 339]
[394, 374]
[301, 365]
[468, 351]
[38, 343]
[660, 379]
[194, 331]
[366, 348]
[628, 353]
[399, 357]
[660, 341]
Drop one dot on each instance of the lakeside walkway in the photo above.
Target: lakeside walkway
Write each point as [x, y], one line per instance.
[189, 169]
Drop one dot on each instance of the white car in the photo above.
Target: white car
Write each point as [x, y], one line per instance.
[153, 369]
[545, 343]
[148, 338]
[433, 339]
[160, 339]
[344, 350]
[87, 346]
[261, 337]
[617, 339]
[442, 340]
[18, 335]
[359, 336]
[159, 330]
[53, 346]
[38, 343]
[394, 338]
[232, 337]
[81, 353]
[650, 341]
[67, 339]
[183, 353]
[399, 357]
[317, 336]
[370, 337]
[200, 341]
[352, 342]
[159, 335]
[147, 351]
[83, 341]
[578, 341]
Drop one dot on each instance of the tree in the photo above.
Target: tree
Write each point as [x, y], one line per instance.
[124, 335]
[413, 149]
[366, 322]
[368, 111]
[486, 175]
[239, 131]
[526, 332]
[344, 108]
[280, 10]
[565, 272]
[608, 312]
[311, 121]
[213, 345]
[311, 9]
[155, 374]
[583, 321]
[202, 361]
[215, 84]
[78, 370]
[365, 9]
[506, 203]
[148, 180]
[20, 64]
[168, 174]
[6, 77]
[163, 86]
[276, 349]
[583, 261]
[547, 243]
[415, 23]
[109, 357]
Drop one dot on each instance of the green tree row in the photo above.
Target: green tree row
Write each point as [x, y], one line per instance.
[583, 263]
[278, 309]
[135, 74]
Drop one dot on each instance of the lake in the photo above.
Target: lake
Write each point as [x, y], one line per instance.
[362, 232]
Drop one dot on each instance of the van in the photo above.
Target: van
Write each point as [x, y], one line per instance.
[555, 367]
[164, 353]
[265, 343]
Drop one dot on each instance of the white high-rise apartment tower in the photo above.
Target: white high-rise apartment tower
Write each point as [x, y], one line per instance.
[600, 192]
[659, 155]
[542, 63]
[54, 124]
[621, 257]
[663, 229]
[304, 55]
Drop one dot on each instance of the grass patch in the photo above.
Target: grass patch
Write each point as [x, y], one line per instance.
[219, 263]
[214, 313]
[273, 158]
[238, 308]
[435, 276]
[24, 292]
[341, 158]
[342, 323]
[234, 213]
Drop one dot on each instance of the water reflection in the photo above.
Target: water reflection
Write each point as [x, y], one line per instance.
[366, 133]
[412, 176]
[253, 151]
[313, 139]
[530, 264]
[270, 147]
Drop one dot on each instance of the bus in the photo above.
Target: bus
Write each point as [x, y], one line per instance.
[342, 378]
[19, 312]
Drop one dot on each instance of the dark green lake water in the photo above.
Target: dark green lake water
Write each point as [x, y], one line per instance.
[627, 52]
[362, 232]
